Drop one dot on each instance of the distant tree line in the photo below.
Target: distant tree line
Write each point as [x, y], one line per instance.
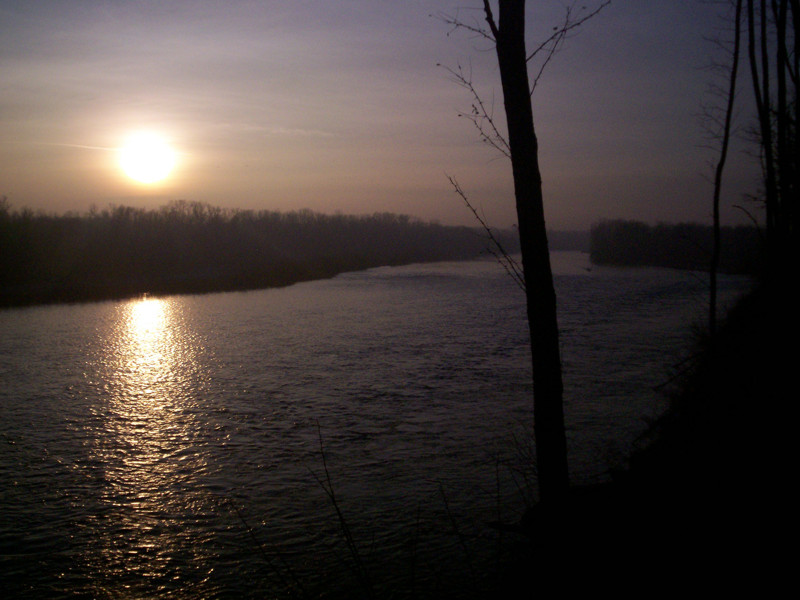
[190, 247]
[573, 240]
[679, 246]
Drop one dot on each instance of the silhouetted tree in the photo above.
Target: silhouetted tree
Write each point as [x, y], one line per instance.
[551, 444]
[725, 136]
[521, 147]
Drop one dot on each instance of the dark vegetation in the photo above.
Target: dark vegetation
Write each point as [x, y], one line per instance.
[679, 246]
[574, 240]
[704, 499]
[189, 247]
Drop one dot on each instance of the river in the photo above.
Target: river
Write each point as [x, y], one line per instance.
[184, 446]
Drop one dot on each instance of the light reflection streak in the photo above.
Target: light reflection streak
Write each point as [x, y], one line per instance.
[150, 450]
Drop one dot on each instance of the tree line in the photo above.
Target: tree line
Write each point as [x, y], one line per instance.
[679, 246]
[191, 247]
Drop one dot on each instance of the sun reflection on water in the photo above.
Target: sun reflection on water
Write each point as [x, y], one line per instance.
[148, 319]
[150, 449]
[149, 345]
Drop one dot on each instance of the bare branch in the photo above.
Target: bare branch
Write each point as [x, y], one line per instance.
[457, 23]
[490, 18]
[480, 115]
[327, 485]
[509, 264]
[553, 43]
[750, 216]
[550, 46]
[569, 25]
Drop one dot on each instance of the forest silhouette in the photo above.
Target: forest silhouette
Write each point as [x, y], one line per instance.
[191, 247]
[677, 246]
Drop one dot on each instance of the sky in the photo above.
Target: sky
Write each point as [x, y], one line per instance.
[347, 106]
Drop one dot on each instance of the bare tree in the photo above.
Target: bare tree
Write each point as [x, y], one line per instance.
[772, 33]
[507, 32]
[725, 136]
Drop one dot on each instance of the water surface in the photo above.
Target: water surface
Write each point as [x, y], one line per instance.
[171, 447]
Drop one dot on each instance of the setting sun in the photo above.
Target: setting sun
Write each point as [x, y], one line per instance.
[147, 158]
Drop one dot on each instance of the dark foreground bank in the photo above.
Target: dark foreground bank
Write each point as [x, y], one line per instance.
[704, 506]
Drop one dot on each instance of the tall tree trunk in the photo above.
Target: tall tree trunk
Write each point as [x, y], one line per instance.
[779, 10]
[761, 91]
[777, 118]
[726, 136]
[548, 412]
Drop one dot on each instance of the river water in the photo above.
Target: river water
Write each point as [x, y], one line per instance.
[185, 446]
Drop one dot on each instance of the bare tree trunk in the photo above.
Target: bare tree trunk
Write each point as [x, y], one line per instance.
[761, 92]
[781, 130]
[551, 446]
[726, 135]
[772, 48]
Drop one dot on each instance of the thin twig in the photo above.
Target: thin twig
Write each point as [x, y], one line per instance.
[358, 569]
[552, 44]
[566, 28]
[481, 116]
[509, 264]
[295, 581]
[457, 23]
[461, 539]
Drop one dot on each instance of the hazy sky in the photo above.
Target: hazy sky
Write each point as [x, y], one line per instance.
[340, 106]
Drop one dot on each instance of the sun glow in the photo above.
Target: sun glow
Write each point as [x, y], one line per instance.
[147, 158]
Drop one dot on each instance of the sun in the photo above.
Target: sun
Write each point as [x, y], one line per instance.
[147, 157]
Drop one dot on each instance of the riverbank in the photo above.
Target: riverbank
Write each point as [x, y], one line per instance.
[704, 503]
